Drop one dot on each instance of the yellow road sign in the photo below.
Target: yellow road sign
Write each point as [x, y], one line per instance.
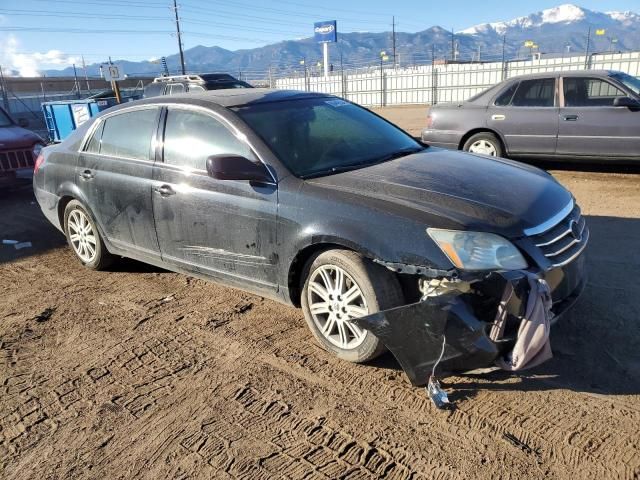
[601, 31]
[529, 43]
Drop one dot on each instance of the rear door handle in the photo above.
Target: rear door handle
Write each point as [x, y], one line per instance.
[164, 190]
[87, 175]
[570, 118]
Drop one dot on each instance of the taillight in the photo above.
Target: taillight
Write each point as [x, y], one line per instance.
[39, 162]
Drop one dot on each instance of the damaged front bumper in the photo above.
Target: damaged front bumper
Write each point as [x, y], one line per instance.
[416, 333]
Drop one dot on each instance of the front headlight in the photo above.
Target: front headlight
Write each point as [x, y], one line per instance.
[37, 148]
[478, 250]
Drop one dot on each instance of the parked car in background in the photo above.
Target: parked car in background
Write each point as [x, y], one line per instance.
[314, 201]
[171, 85]
[577, 114]
[19, 148]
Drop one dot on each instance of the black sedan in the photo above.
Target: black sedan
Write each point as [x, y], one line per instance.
[317, 202]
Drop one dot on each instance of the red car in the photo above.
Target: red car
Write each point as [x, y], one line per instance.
[19, 148]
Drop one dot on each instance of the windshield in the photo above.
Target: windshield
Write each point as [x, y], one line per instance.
[632, 83]
[5, 121]
[321, 136]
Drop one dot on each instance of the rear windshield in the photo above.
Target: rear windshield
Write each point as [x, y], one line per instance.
[219, 85]
[5, 121]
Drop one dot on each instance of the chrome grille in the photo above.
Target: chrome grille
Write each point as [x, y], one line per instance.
[14, 159]
[564, 241]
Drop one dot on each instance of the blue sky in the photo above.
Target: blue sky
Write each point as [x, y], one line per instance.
[140, 29]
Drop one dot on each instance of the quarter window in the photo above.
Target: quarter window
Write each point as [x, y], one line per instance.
[589, 92]
[176, 88]
[129, 134]
[505, 97]
[196, 88]
[535, 93]
[191, 137]
[94, 143]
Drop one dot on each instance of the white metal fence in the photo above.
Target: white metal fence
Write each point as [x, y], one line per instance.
[445, 83]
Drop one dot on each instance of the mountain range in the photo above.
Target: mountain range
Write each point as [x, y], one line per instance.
[560, 30]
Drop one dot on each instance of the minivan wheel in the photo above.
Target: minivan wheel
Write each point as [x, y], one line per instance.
[340, 285]
[83, 237]
[484, 143]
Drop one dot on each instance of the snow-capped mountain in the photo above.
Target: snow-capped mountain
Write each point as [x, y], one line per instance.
[559, 23]
[555, 30]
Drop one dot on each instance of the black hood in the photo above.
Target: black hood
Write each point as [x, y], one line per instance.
[449, 189]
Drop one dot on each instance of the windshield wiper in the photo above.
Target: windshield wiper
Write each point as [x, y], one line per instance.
[353, 166]
[397, 154]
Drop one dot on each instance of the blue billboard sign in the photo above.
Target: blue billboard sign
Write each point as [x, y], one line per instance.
[325, 32]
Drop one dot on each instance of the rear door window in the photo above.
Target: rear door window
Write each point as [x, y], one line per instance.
[589, 92]
[129, 134]
[191, 137]
[535, 93]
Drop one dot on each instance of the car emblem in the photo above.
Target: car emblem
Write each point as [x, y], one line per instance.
[575, 230]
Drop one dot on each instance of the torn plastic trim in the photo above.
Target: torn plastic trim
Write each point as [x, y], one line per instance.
[418, 270]
[414, 333]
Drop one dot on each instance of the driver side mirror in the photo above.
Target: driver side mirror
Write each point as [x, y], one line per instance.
[236, 167]
[626, 102]
[23, 122]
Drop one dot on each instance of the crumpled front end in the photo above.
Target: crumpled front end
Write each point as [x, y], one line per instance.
[451, 324]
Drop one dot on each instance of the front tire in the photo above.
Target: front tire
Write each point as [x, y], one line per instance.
[484, 143]
[339, 285]
[83, 237]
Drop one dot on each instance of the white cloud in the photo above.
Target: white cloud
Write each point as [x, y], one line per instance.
[30, 64]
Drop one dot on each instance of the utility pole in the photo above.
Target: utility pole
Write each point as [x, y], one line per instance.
[453, 45]
[3, 87]
[586, 55]
[479, 47]
[86, 77]
[504, 66]
[175, 9]
[76, 84]
[393, 39]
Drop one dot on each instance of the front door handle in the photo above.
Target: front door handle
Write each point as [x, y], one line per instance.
[570, 118]
[164, 190]
[87, 175]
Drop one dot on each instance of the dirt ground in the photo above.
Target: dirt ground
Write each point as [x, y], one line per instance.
[142, 373]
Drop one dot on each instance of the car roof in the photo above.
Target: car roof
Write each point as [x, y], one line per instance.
[230, 97]
[565, 73]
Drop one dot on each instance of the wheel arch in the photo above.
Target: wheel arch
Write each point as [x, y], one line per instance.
[472, 132]
[308, 251]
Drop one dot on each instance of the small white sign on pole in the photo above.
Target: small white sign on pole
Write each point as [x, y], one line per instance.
[114, 73]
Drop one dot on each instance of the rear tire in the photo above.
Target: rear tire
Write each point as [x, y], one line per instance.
[484, 143]
[83, 237]
[341, 284]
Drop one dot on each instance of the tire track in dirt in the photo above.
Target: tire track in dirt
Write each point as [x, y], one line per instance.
[208, 338]
[557, 434]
